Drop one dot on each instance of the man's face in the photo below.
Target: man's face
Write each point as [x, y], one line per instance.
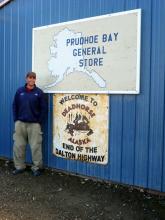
[30, 80]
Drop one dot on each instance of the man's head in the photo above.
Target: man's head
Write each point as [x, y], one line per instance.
[31, 75]
[30, 79]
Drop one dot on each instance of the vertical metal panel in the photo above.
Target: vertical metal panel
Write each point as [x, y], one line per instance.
[143, 100]
[163, 163]
[5, 84]
[2, 76]
[156, 129]
[136, 143]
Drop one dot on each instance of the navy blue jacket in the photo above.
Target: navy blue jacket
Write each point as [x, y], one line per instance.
[29, 106]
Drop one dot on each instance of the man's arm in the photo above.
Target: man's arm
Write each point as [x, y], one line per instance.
[15, 107]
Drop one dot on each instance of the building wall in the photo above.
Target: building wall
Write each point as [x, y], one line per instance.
[136, 132]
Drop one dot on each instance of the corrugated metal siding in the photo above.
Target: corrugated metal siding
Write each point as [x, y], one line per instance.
[137, 152]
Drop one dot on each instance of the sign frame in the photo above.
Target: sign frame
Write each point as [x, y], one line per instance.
[76, 134]
[138, 46]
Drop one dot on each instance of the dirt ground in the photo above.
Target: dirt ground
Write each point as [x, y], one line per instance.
[56, 195]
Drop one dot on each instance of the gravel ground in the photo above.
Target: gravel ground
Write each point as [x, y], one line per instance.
[56, 195]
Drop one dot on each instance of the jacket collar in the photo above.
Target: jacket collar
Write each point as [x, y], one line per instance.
[26, 86]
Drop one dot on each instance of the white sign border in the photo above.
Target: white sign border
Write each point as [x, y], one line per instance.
[137, 90]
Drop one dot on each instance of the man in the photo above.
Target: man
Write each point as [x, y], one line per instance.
[29, 109]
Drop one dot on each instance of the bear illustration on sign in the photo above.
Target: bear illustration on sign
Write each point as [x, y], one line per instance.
[81, 124]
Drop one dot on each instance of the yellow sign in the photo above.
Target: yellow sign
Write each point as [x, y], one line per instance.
[80, 127]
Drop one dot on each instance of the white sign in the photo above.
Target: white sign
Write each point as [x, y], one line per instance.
[77, 133]
[95, 55]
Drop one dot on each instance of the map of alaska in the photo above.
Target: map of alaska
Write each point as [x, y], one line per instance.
[62, 61]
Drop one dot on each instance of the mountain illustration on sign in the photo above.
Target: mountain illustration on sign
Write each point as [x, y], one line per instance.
[81, 124]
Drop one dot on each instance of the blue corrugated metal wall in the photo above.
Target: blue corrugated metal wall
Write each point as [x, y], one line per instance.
[137, 152]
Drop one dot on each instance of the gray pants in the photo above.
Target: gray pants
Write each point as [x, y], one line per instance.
[27, 133]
